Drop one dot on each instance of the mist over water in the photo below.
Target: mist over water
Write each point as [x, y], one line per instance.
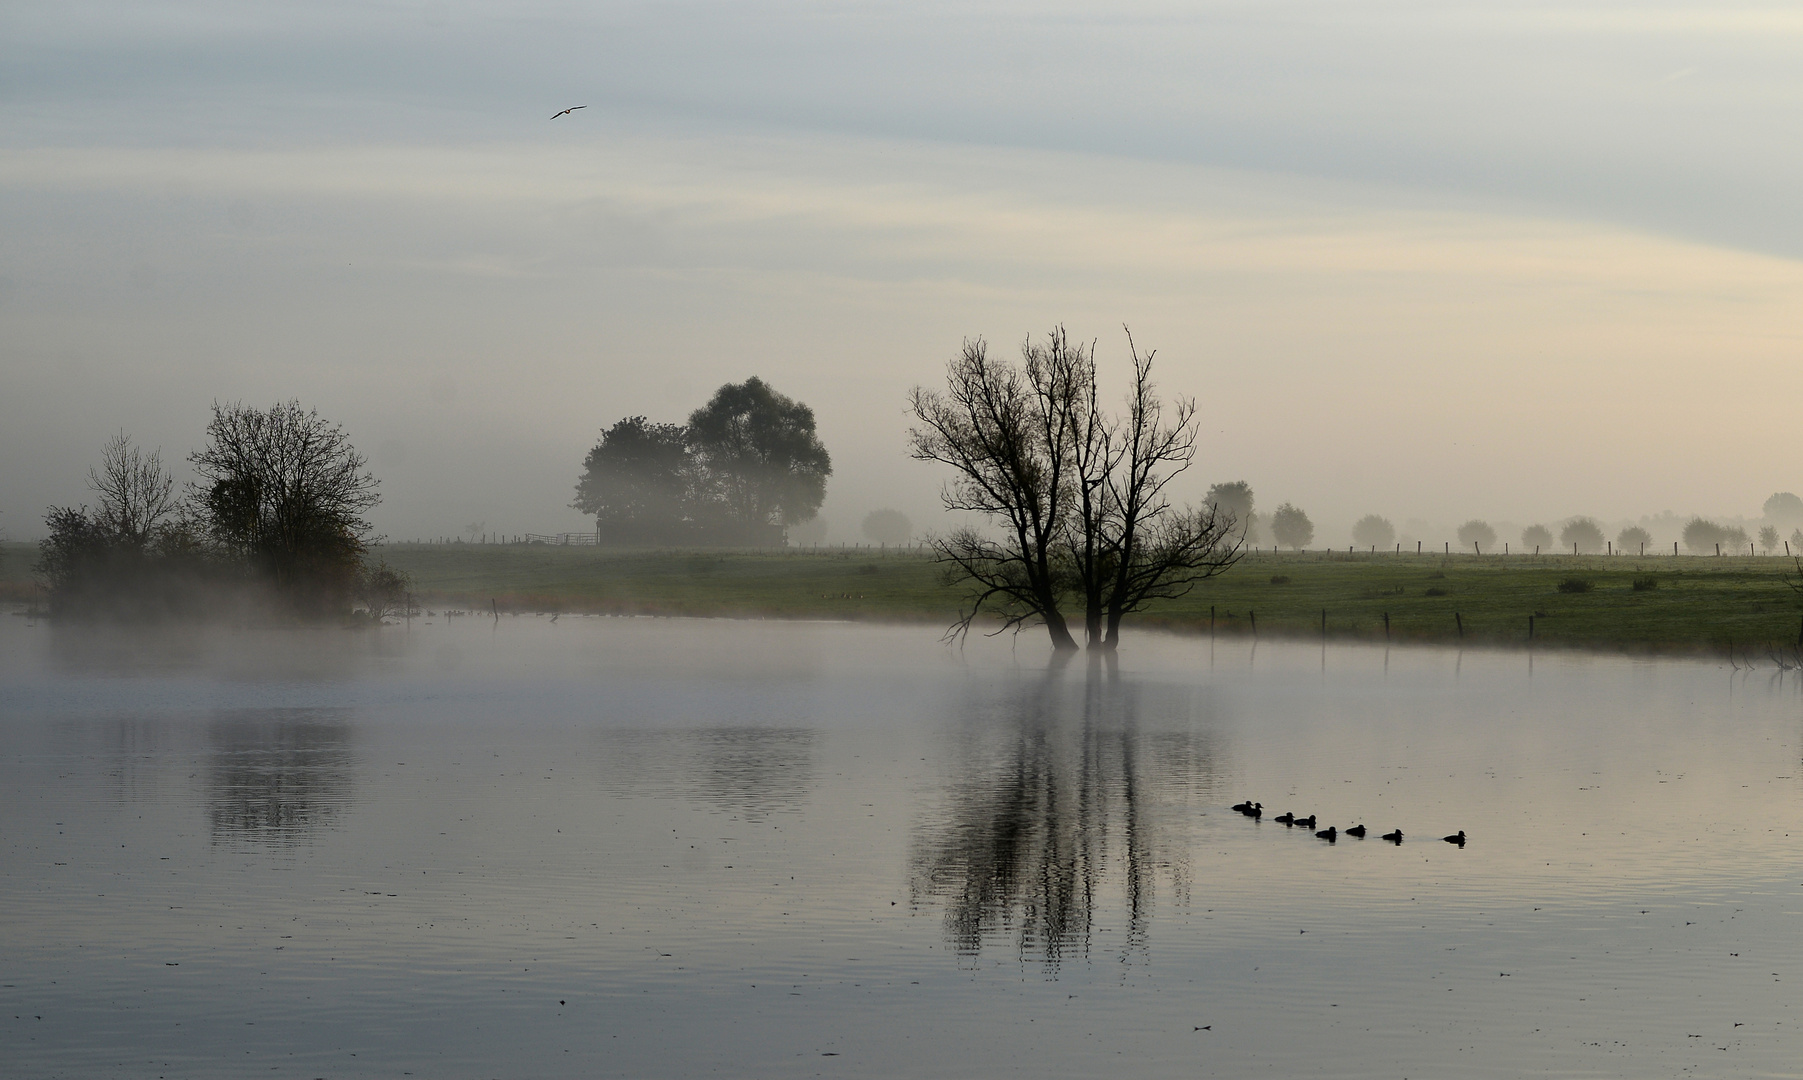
[637, 847]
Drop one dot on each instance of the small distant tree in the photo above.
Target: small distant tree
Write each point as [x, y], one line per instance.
[1583, 532]
[1235, 497]
[1291, 527]
[1796, 540]
[1632, 539]
[1784, 508]
[137, 495]
[1734, 538]
[1535, 537]
[887, 527]
[1373, 531]
[1477, 532]
[1768, 538]
[1702, 536]
[286, 492]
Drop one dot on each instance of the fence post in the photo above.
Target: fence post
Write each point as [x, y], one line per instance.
[1386, 626]
[1530, 628]
[1459, 620]
[1253, 615]
[1323, 622]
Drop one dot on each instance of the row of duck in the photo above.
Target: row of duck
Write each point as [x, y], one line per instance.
[1256, 811]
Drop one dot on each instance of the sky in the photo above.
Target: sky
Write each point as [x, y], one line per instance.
[1437, 261]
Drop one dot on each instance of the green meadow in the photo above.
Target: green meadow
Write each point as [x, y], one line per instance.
[1626, 603]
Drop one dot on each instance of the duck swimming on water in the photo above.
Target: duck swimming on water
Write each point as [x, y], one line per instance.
[1329, 834]
[1286, 818]
[1456, 838]
[1306, 822]
[1356, 830]
[1394, 837]
[1240, 808]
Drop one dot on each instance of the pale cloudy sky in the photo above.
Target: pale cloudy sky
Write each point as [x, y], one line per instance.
[1434, 260]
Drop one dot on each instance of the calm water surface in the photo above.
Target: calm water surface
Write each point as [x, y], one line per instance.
[674, 848]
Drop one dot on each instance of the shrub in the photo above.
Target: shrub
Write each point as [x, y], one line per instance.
[1584, 533]
[1477, 532]
[1280, 579]
[1373, 531]
[1632, 538]
[1434, 591]
[1291, 527]
[1536, 537]
[1645, 584]
[1574, 585]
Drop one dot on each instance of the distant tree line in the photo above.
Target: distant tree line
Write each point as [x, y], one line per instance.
[745, 467]
[278, 512]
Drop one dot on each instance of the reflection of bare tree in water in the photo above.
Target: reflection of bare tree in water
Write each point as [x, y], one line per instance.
[750, 771]
[1059, 812]
[277, 775]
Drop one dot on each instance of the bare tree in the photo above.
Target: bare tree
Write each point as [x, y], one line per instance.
[287, 491]
[136, 494]
[1004, 432]
[1082, 496]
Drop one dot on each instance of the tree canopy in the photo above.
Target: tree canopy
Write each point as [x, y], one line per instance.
[745, 466]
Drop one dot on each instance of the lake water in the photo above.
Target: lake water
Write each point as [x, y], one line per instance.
[678, 848]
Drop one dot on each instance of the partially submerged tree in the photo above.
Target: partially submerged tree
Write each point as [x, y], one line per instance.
[1079, 495]
[123, 557]
[1374, 531]
[286, 492]
[1477, 533]
[1291, 527]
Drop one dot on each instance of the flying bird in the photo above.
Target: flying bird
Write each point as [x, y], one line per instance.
[568, 111]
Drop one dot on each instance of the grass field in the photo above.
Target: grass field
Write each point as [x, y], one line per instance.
[1684, 604]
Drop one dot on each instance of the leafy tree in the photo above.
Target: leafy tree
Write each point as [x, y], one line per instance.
[1784, 508]
[766, 467]
[1583, 532]
[1702, 536]
[1079, 494]
[1477, 532]
[1768, 538]
[888, 527]
[1373, 531]
[286, 492]
[1536, 537]
[641, 484]
[1291, 527]
[1796, 539]
[1632, 539]
[1235, 497]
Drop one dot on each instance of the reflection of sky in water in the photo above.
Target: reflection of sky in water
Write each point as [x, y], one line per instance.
[662, 848]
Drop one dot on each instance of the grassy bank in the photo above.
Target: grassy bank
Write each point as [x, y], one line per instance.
[1683, 604]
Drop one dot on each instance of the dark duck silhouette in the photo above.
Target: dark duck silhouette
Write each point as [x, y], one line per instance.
[1286, 818]
[1240, 808]
[1394, 837]
[1456, 838]
[1306, 822]
[1356, 830]
[1329, 834]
